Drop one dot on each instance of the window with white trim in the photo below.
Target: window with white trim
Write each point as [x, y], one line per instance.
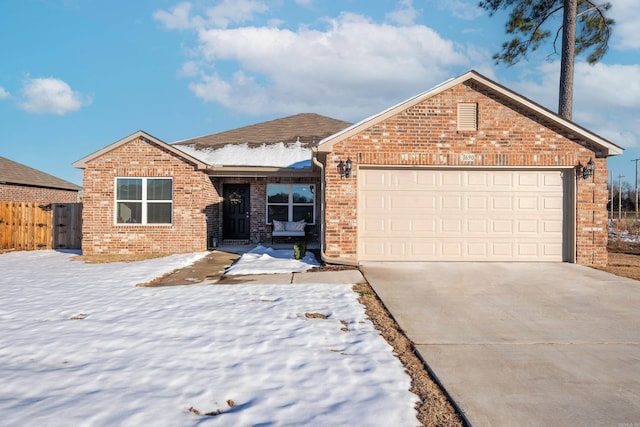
[291, 202]
[146, 201]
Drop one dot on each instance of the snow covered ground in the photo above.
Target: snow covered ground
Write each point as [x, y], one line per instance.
[262, 260]
[81, 345]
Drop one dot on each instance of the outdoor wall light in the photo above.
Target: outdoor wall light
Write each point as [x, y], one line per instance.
[344, 168]
[585, 171]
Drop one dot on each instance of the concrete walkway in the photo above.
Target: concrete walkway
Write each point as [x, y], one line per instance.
[522, 344]
[210, 270]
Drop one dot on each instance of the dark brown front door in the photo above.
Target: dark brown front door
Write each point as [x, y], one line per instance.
[235, 213]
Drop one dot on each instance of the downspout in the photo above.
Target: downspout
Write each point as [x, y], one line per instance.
[325, 258]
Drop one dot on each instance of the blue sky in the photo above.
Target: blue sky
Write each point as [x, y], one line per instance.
[77, 75]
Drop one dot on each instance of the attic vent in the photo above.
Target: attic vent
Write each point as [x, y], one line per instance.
[468, 116]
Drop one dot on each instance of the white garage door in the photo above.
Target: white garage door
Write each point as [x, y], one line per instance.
[462, 215]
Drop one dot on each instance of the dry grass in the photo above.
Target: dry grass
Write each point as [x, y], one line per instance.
[104, 259]
[434, 408]
[624, 257]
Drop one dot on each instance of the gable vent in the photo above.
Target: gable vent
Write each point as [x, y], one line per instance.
[468, 116]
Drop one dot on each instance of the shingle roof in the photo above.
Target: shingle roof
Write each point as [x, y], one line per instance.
[309, 128]
[16, 173]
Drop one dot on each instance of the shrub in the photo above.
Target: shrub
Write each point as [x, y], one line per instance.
[299, 250]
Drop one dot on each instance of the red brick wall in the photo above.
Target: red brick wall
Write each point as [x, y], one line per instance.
[24, 193]
[426, 135]
[194, 196]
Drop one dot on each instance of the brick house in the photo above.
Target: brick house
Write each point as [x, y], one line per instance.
[144, 195]
[20, 183]
[466, 171]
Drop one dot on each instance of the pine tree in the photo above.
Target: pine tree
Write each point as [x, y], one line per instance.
[585, 29]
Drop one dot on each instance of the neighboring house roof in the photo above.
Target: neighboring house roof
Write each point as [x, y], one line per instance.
[608, 148]
[18, 174]
[281, 143]
[82, 163]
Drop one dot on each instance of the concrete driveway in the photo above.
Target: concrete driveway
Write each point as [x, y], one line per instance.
[522, 344]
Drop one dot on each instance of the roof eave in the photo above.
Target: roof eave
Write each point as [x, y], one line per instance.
[260, 171]
[82, 163]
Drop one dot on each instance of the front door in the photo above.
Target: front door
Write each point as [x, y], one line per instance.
[235, 211]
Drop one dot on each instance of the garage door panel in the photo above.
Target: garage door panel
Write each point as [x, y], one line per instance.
[476, 180]
[552, 227]
[424, 225]
[374, 226]
[503, 202]
[428, 179]
[527, 202]
[527, 249]
[450, 226]
[527, 226]
[552, 203]
[373, 200]
[461, 215]
[504, 226]
[476, 226]
[501, 181]
[502, 250]
[450, 180]
[552, 180]
[477, 202]
[400, 226]
[451, 202]
[411, 201]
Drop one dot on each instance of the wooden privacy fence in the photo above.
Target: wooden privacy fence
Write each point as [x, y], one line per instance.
[27, 226]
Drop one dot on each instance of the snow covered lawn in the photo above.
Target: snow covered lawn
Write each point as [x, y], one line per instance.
[261, 260]
[81, 345]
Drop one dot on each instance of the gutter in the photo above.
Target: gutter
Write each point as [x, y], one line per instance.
[323, 256]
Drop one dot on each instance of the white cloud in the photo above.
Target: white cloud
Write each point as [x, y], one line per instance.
[406, 14]
[3, 93]
[463, 9]
[50, 96]
[305, 3]
[606, 97]
[221, 15]
[347, 69]
[178, 18]
[625, 32]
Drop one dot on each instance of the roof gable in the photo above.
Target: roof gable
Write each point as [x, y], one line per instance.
[16, 173]
[608, 148]
[82, 163]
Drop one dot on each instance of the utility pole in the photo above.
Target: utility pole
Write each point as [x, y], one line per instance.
[636, 160]
[620, 197]
[612, 207]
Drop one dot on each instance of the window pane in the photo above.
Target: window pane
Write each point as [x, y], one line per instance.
[159, 213]
[129, 189]
[129, 212]
[277, 193]
[303, 213]
[279, 212]
[159, 189]
[303, 194]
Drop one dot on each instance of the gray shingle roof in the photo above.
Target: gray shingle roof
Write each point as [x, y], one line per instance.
[309, 128]
[16, 173]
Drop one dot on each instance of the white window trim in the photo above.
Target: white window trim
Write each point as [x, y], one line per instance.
[144, 202]
[290, 203]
